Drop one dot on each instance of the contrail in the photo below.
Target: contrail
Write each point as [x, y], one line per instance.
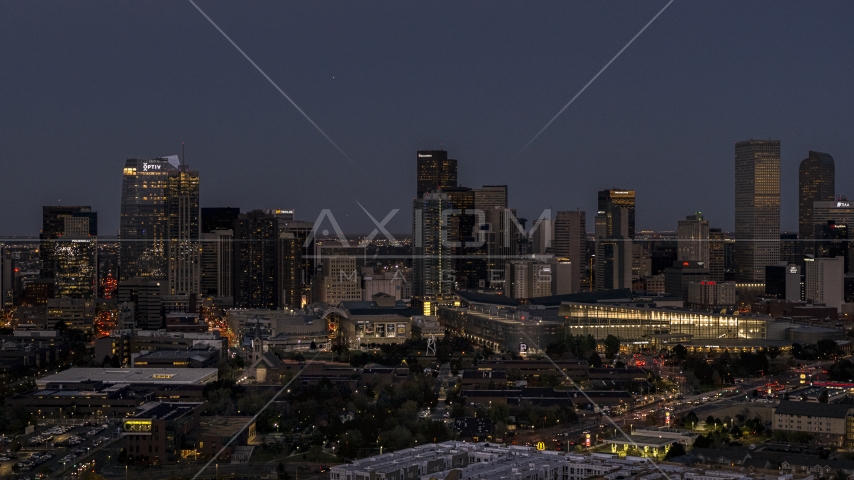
[592, 79]
[274, 83]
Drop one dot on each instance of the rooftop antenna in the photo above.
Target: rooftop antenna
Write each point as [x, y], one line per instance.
[182, 154]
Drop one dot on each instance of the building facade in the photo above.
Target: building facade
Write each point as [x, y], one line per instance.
[183, 231]
[757, 208]
[144, 222]
[816, 183]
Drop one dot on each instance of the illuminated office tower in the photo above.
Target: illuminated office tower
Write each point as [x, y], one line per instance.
[144, 222]
[432, 267]
[615, 199]
[255, 240]
[613, 251]
[757, 208]
[692, 235]
[303, 233]
[289, 261]
[570, 239]
[824, 280]
[68, 252]
[816, 183]
[183, 230]
[435, 170]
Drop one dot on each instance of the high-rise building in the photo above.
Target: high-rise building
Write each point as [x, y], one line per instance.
[7, 278]
[816, 183]
[490, 197]
[693, 237]
[678, 277]
[570, 236]
[218, 218]
[304, 234]
[757, 208]
[144, 222]
[289, 259]
[840, 211]
[68, 252]
[145, 294]
[614, 251]
[339, 279]
[824, 281]
[610, 201]
[433, 275]
[717, 255]
[435, 170]
[217, 258]
[256, 235]
[528, 279]
[831, 240]
[183, 231]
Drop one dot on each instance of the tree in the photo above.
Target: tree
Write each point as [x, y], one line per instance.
[313, 345]
[595, 360]
[612, 346]
[676, 450]
[680, 351]
[824, 397]
[281, 474]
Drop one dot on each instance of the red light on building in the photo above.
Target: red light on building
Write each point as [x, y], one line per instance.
[684, 264]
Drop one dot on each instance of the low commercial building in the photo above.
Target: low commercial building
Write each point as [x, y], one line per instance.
[504, 329]
[380, 321]
[124, 344]
[89, 377]
[192, 358]
[467, 460]
[576, 370]
[114, 401]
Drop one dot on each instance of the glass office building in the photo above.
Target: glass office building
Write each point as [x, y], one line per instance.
[144, 221]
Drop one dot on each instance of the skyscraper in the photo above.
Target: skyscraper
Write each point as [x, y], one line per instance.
[256, 235]
[143, 225]
[693, 237]
[218, 218]
[757, 208]
[289, 260]
[68, 252]
[831, 240]
[816, 183]
[183, 231]
[432, 267]
[614, 250]
[435, 170]
[570, 236]
[612, 200]
[217, 257]
[490, 197]
[717, 255]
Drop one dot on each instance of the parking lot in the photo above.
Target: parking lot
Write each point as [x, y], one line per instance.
[53, 447]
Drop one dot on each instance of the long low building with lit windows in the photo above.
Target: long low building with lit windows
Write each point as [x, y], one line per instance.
[630, 322]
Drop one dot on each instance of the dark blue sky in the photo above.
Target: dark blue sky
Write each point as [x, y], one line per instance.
[83, 85]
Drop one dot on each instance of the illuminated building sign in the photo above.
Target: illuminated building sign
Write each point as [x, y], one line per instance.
[136, 427]
[793, 269]
[163, 375]
[151, 166]
[425, 155]
[842, 205]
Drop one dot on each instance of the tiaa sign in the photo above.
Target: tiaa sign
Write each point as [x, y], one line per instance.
[136, 427]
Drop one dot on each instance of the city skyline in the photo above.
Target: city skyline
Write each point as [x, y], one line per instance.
[640, 126]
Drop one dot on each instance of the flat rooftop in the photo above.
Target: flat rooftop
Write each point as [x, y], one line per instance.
[133, 376]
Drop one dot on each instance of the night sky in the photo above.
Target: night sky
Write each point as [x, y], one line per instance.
[84, 85]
